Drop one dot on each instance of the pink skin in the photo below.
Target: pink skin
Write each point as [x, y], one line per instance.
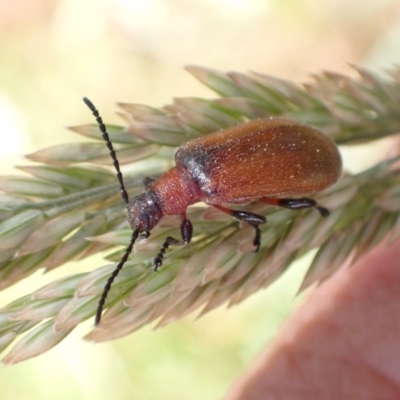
[342, 343]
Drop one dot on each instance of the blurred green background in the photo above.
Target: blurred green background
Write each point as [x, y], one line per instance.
[54, 52]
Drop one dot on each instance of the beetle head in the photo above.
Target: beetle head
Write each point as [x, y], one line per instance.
[144, 212]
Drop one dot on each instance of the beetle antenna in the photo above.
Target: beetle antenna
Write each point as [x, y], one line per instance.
[125, 198]
[114, 274]
[102, 127]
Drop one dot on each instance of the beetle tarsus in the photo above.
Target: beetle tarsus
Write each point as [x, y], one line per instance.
[257, 239]
[186, 232]
[158, 260]
[251, 218]
[323, 211]
[297, 204]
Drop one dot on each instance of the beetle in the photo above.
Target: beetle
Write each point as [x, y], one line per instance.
[272, 160]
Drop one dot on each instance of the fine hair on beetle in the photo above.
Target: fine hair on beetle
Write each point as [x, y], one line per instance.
[273, 160]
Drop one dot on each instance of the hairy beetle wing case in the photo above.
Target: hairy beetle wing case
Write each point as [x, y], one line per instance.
[267, 157]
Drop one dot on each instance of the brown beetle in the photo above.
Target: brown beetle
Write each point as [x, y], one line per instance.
[266, 159]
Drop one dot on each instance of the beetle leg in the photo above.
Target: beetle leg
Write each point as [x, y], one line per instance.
[253, 219]
[148, 182]
[297, 204]
[186, 232]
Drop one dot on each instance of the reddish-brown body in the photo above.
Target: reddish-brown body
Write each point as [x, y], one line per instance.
[262, 158]
[274, 160]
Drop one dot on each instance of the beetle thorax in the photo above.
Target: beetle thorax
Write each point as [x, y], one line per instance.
[176, 191]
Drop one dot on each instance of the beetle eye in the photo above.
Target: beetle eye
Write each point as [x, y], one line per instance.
[144, 224]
